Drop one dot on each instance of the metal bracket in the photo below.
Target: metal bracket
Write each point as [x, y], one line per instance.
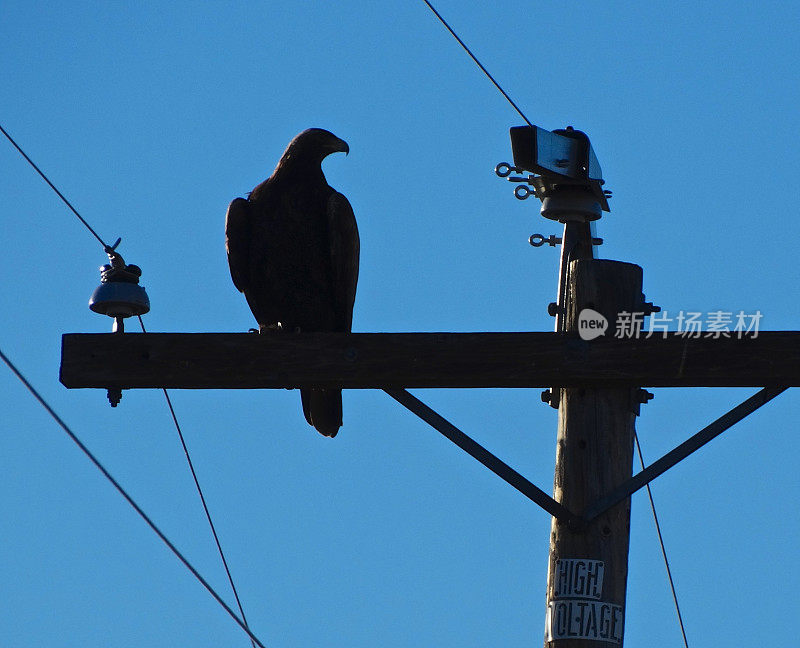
[477, 451]
[627, 488]
[623, 491]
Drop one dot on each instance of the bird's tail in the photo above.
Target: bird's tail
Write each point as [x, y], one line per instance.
[323, 409]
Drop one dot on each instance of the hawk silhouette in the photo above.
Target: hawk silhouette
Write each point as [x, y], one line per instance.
[293, 251]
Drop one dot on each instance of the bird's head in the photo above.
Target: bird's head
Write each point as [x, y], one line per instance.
[314, 145]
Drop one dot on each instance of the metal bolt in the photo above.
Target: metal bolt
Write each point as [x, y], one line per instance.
[114, 396]
[649, 308]
[521, 192]
[645, 396]
[552, 309]
[538, 240]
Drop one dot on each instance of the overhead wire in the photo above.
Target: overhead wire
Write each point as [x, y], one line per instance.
[105, 245]
[127, 497]
[110, 249]
[202, 496]
[661, 543]
[478, 63]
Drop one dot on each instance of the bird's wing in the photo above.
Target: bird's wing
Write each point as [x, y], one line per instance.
[344, 248]
[237, 241]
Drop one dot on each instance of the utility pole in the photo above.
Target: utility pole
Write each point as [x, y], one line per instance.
[594, 383]
[588, 566]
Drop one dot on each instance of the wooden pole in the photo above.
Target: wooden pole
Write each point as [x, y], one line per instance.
[588, 566]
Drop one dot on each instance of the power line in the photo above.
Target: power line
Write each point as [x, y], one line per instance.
[127, 497]
[663, 548]
[106, 247]
[474, 58]
[202, 497]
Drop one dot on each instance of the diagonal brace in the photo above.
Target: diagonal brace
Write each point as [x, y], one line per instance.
[627, 488]
[477, 451]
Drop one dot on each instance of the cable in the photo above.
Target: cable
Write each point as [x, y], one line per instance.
[202, 497]
[106, 247]
[661, 542]
[474, 58]
[127, 497]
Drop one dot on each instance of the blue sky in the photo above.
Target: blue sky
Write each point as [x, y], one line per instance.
[152, 117]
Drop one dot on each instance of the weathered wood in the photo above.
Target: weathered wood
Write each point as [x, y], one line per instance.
[692, 444]
[394, 360]
[588, 568]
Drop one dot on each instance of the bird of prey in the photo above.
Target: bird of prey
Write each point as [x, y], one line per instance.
[293, 251]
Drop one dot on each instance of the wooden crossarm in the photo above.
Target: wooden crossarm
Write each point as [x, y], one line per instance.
[400, 360]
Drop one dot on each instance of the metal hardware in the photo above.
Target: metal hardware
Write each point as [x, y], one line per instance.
[504, 169]
[569, 204]
[648, 308]
[114, 396]
[119, 295]
[552, 397]
[644, 396]
[640, 397]
[564, 152]
[477, 451]
[562, 170]
[521, 192]
[538, 240]
[627, 488]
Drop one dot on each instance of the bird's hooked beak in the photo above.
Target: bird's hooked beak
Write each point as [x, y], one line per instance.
[339, 146]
